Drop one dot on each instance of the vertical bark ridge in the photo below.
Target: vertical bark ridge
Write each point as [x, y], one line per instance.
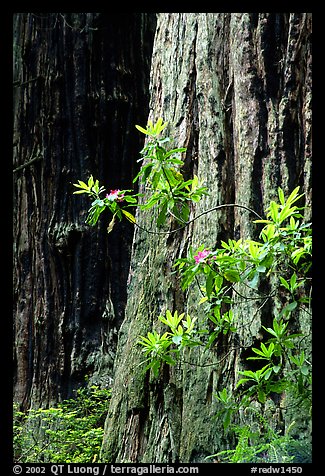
[80, 84]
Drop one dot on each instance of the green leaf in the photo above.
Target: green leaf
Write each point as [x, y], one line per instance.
[261, 269]
[261, 395]
[144, 172]
[288, 344]
[168, 359]
[253, 249]
[94, 213]
[81, 185]
[95, 187]
[185, 212]
[286, 212]
[270, 331]
[155, 198]
[155, 179]
[212, 338]
[281, 196]
[209, 283]
[293, 281]
[278, 387]
[196, 197]
[273, 211]
[267, 374]
[129, 216]
[98, 202]
[293, 197]
[227, 418]
[249, 373]
[171, 320]
[284, 282]
[155, 366]
[223, 396]
[84, 187]
[268, 233]
[194, 182]
[253, 283]
[289, 308]
[159, 126]
[130, 199]
[80, 191]
[265, 353]
[242, 381]
[162, 215]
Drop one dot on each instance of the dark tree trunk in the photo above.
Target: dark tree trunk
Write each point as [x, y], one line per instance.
[80, 85]
[236, 90]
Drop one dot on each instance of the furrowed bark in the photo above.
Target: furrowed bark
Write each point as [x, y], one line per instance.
[80, 85]
[236, 91]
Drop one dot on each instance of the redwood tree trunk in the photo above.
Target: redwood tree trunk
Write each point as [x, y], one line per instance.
[80, 85]
[236, 90]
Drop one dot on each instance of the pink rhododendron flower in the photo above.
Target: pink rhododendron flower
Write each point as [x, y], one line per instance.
[115, 195]
[201, 255]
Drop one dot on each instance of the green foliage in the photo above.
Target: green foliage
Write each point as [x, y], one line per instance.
[91, 188]
[113, 202]
[153, 130]
[161, 172]
[229, 406]
[260, 442]
[156, 347]
[71, 432]
[166, 188]
[291, 243]
[167, 347]
[282, 251]
[260, 383]
[237, 263]
[219, 274]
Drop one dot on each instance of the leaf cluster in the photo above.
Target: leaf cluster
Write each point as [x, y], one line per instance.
[166, 189]
[161, 172]
[261, 443]
[70, 432]
[221, 275]
[167, 347]
[239, 263]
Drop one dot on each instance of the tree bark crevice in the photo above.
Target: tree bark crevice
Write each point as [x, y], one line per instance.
[83, 84]
[226, 100]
